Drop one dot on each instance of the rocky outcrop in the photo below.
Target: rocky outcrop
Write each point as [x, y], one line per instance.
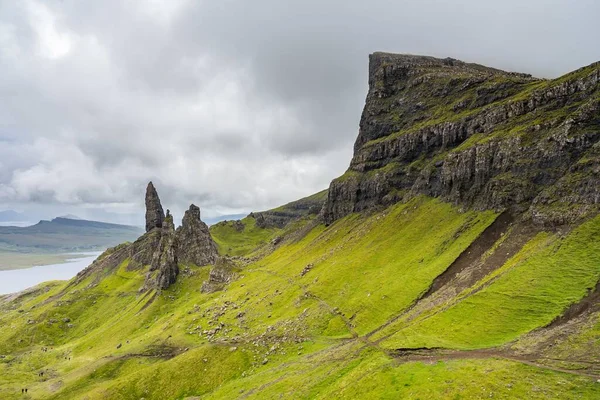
[223, 272]
[281, 216]
[194, 243]
[164, 267]
[154, 211]
[575, 195]
[472, 135]
[106, 263]
[161, 248]
[165, 247]
[141, 251]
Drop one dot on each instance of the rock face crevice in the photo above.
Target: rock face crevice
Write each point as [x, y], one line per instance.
[154, 211]
[164, 267]
[474, 136]
[162, 248]
[165, 247]
[194, 242]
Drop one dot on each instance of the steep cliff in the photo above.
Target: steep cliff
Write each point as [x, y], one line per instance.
[164, 266]
[474, 136]
[279, 217]
[194, 242]
[161, 249]
[154, 211]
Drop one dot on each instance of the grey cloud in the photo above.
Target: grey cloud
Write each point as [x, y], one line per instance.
[235, 105]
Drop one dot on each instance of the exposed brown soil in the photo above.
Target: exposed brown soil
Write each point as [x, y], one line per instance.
[436, 354]
[150, 301]
[545, 341]
[474, 252]
[474, 263]
[591, 302]
[156, 351]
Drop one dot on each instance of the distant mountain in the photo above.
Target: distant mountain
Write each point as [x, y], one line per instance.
[65, 235]
[70, 216]
[11, 215]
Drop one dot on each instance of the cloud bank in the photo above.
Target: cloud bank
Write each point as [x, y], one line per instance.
[233, 105]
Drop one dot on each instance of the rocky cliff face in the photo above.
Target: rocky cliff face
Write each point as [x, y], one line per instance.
[154, 211]
[194, 243]
[161, 248]
[475, 136]
[191, 243]
[164, 266]
[281, 216]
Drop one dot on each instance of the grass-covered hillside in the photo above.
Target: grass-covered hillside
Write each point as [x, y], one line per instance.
[457, 258]
[256, 231]
[381, 305]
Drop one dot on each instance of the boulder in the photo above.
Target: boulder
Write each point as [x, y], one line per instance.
[223, 272]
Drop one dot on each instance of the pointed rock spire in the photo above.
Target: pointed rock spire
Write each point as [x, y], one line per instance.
[154, 211]
[195, 245]
[164, 268]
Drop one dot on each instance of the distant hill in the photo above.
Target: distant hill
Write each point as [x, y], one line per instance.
[65, 234]
[228, 217]
[70, 216]
[11, 215]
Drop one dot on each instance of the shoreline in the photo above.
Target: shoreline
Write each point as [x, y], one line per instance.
[10, 261]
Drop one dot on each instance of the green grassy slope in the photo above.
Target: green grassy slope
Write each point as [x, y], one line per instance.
[296, 321]
[239, 238]
[533, 288]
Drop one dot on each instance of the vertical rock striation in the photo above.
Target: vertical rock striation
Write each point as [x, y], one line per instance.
[163, 247]
[194, 243]
[154, 211]
[164, 268]
[475, 136]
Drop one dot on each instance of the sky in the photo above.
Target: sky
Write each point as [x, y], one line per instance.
[233, 105]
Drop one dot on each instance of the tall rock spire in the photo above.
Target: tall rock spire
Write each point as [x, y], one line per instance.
[155, 215]
[164, 269]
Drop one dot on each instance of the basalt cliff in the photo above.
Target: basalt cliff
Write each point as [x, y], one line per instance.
[476, 137]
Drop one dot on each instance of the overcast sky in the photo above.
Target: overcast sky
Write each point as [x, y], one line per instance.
[234, 105]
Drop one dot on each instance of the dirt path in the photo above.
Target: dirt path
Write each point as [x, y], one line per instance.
[591, 301]
[434, 355]
[473, 264]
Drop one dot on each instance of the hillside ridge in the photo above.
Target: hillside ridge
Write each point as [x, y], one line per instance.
[62, 235]
[458, 257]
[474, 136]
